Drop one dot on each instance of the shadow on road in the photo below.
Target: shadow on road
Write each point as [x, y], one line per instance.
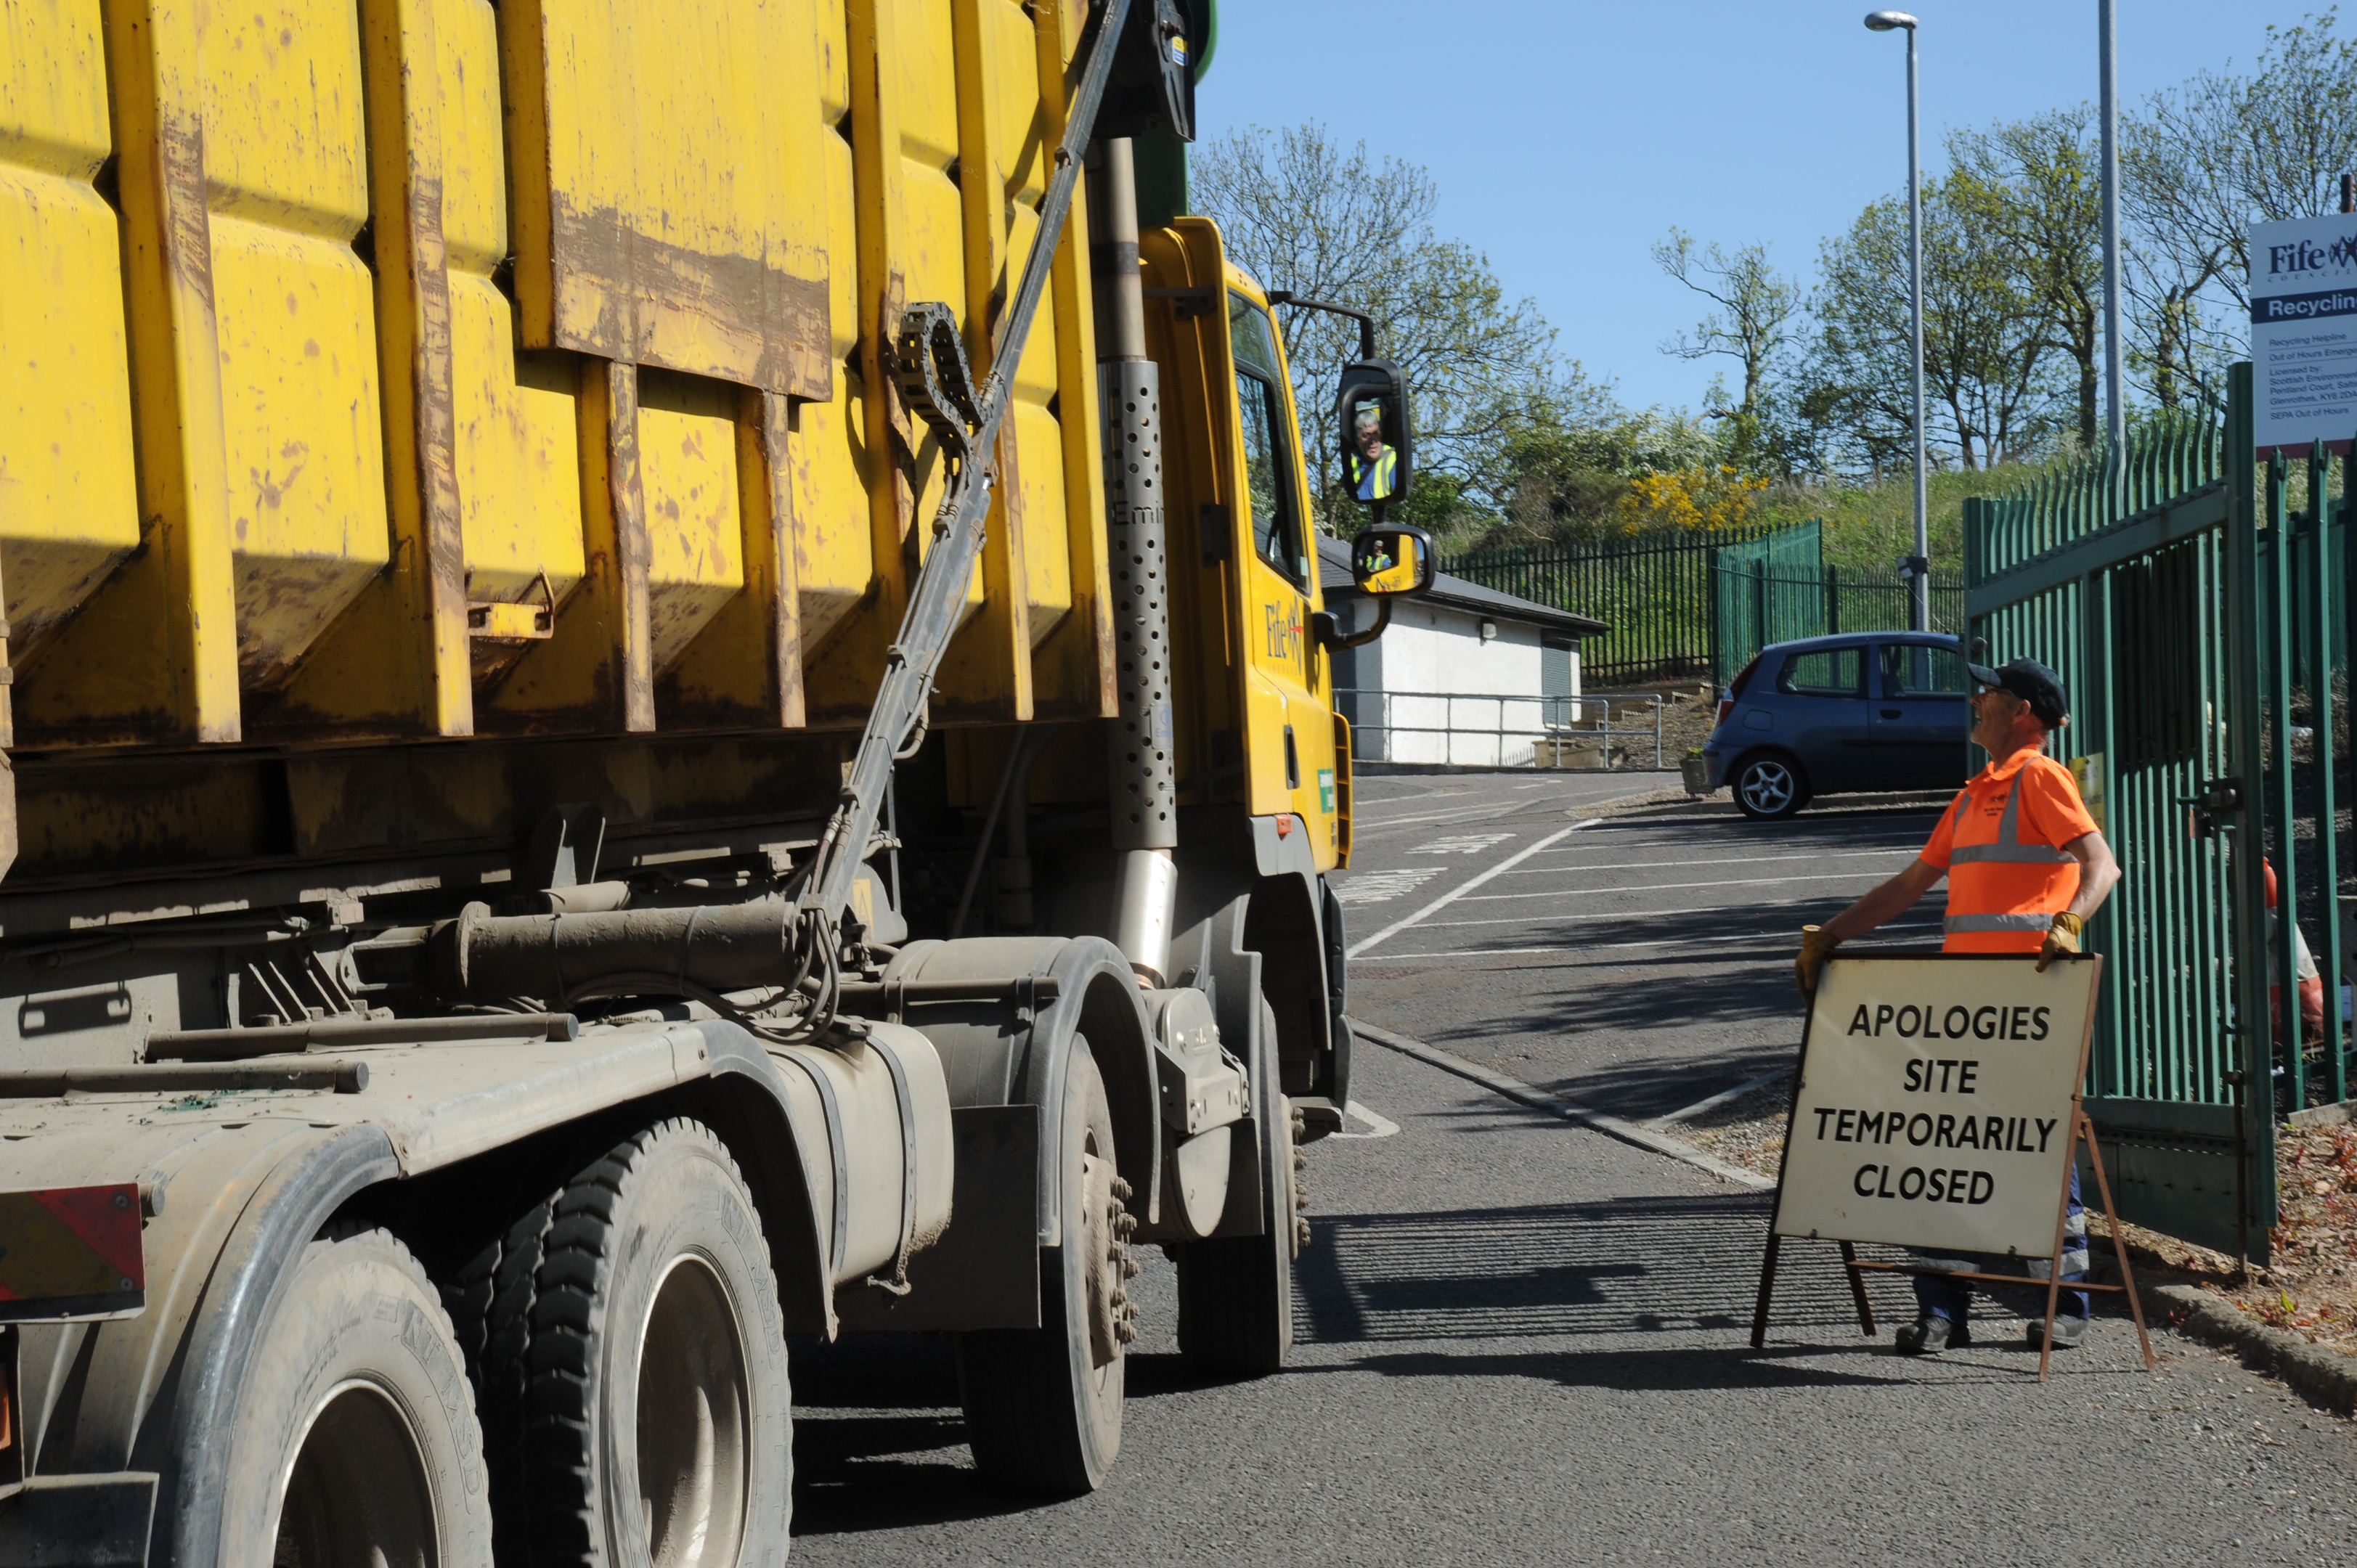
[1629, 1371]
[878, 1444]
[1635, 1265]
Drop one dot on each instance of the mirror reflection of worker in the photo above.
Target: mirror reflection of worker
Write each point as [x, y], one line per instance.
[2026, 868]
[1372, 466]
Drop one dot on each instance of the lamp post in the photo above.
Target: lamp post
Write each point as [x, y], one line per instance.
[2116, 413]
[1917, 569]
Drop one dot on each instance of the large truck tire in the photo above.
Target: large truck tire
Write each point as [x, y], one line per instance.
[657, 1420]
[490, 1298]
[1236, 1292]
[1043, 1405]
[354, 1437]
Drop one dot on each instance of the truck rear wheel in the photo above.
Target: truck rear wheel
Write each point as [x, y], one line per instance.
[354, 1439]
[1043, 1405]
[1236, 1292]
[658, 1422]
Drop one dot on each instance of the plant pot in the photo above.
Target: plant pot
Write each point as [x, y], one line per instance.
[1697, 772]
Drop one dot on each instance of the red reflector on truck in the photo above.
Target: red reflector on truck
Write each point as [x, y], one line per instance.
[69, 1251]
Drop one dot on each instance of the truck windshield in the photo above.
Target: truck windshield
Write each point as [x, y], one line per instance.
[1269, 466]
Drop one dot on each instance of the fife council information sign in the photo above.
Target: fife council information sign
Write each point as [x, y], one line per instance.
[2303, 285]
[1936, 1099]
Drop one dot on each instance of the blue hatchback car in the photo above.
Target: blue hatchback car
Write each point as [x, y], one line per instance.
[1828, 716]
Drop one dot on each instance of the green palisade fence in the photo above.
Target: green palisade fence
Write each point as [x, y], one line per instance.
[1683, 606]
[1779, 588]
[1653, 590]
[2151, 582]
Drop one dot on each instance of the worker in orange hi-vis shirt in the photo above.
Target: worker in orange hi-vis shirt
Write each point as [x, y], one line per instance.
[2026, 869]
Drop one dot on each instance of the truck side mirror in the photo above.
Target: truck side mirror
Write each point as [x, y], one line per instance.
[1392, 561]
[1373, 432]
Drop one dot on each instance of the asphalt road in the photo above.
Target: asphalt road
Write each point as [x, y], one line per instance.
[1635, 964]
[1524, 1342]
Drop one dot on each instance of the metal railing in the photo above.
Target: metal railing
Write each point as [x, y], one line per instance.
[1652, 591]
[1473, 729]
[1754, 606]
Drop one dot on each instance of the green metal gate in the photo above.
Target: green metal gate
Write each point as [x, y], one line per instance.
[1780, 587]
[2149, 584]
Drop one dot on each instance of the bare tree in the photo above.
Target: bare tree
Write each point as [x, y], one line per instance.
[1301, 213]
[1752, 324]
[2203, 162]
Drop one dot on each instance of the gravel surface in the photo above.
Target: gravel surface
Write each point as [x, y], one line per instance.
[2310, 1288]
[1747, 1130]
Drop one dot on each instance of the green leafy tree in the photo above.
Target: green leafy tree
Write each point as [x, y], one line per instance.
[1303, 214]
[2038, 185]
[1988, 365]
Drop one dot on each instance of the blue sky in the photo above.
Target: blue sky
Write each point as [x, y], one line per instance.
[1567, 138]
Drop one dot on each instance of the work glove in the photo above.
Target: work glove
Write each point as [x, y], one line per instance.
[1815, 948]
[2061, 937]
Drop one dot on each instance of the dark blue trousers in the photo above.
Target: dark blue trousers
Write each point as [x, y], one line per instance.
[1953, 1299]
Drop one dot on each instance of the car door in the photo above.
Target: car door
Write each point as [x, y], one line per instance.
[1820, 712]
[1922, 714]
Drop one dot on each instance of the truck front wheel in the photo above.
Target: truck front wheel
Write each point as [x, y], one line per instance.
[1043, 1405]
[354, 1439]
[658, 1427]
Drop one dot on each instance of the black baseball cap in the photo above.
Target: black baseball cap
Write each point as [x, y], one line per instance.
[2033, 683]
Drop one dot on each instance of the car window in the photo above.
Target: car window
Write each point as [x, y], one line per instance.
[1919, 670]
[1276, 524]
[1823, 672]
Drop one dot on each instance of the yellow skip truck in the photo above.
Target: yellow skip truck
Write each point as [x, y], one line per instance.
[667, 689]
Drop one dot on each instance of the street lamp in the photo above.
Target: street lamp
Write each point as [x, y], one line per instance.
[1917, 569]
[2116, 413]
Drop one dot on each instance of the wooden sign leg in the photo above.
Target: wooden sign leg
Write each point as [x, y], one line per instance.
[1858, 1290]
[1767, 1284]
[2119, 1243]
[2054, 1263]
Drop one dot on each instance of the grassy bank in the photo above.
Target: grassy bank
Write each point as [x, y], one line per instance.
[1869, 525]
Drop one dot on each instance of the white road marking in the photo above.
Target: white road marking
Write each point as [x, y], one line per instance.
[1669, 886]
[1380, 887]
[1696, 908]
[1450, 898]
[1377, 1126]
[1461, 843]
[1714, 860]
[1612, 947]
[1723, 1097]
[1569, 1110]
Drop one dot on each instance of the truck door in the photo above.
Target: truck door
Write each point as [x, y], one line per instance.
[1289, 731]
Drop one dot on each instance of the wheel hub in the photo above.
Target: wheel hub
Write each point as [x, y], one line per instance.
[694, 1422]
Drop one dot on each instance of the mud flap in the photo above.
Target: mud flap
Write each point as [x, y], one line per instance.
[984, 1271]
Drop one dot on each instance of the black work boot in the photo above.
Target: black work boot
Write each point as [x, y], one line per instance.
[1929, 1335]
[2069, 1332]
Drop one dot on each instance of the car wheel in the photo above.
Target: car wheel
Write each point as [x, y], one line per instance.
[1769, 789]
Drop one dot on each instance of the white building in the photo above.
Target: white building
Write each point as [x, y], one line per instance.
[1466, 675]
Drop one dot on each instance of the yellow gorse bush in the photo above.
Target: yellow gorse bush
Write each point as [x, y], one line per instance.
[1704, 500]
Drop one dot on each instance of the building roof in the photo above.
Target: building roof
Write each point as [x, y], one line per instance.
[1334, 576]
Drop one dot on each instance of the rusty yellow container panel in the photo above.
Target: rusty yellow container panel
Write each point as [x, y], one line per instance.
[69, 511]
[443, 368]
[513, 410]
[286, 192]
